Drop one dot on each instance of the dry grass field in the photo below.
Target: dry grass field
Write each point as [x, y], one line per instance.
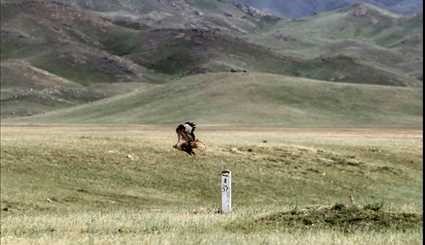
[91, 184]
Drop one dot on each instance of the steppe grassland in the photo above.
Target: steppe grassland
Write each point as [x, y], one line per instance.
[125, 184]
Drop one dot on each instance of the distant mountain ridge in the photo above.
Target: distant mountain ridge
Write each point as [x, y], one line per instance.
[301, 8]
[57, 54]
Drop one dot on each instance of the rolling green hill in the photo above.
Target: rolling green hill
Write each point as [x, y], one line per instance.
[183, 52]
[88, 47]
[361, 22]
[51, 58]
[377, 38]
[253, 98]
[28, 90]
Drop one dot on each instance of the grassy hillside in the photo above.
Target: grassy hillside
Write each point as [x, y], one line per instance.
[375, 37]
[52, 57]
[300, 8]
[251, 98]
[182, 52]
[360, 22]
[101, 184]
[28, 90]
[215, 14]
[88, 47]
[64, 41]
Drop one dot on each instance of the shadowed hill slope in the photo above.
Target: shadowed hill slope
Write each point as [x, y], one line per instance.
[220, 14]
[44, 43]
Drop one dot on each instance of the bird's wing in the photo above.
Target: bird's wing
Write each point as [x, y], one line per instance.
[191, 126]
[190, 130]
[182, 135]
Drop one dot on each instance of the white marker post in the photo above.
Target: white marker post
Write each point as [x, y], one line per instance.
[226, 191]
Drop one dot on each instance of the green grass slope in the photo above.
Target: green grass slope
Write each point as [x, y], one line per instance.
[360, 22]
[52, 57]
[371, 35]
[64, 41]
[88, 47]
[251, 98]
[28, 90]
[181, 52]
